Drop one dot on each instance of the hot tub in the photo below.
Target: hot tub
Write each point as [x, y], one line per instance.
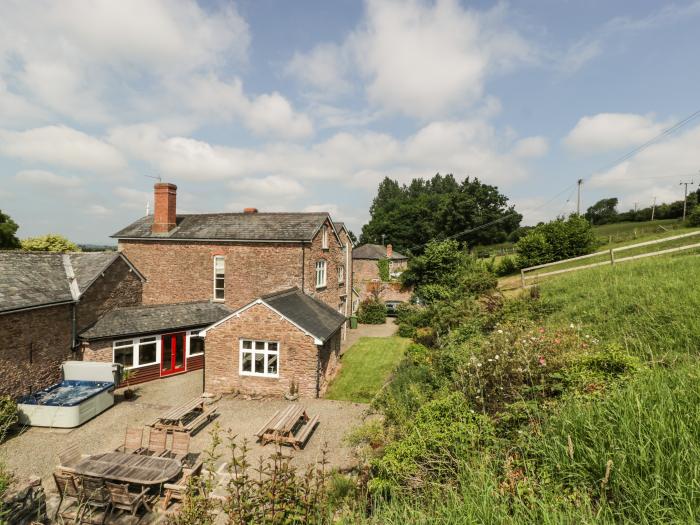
[87, 389]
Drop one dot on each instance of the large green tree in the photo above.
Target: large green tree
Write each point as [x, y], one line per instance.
[603, 212]
[410, 215]
[8, 228]
[49, 243]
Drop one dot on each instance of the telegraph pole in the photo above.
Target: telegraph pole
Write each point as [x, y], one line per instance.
[653, 208]
[578, 198]
[635, 207]
[685, 196]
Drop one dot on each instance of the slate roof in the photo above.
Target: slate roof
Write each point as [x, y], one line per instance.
[232, 226]
[375, 251]
[32, 279]
[314, 316]
[138, 320]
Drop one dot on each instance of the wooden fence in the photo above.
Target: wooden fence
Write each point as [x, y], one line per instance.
[611, 257]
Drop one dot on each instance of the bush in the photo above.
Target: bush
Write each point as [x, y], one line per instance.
[556, 240]
[506, 266]
[694, 217]
[406, 330]
[49, 243]
[384, 270]
[372, 311]
[9, 415]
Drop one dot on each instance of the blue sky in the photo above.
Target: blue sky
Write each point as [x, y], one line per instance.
[307, 105]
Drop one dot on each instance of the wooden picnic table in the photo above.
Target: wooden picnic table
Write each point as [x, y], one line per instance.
[290, 425]
[129, 468]
[185, 417]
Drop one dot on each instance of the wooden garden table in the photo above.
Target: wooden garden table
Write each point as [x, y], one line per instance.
[128, 468]
[290, 425]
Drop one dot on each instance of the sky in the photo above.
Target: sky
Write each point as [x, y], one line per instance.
[308, 105]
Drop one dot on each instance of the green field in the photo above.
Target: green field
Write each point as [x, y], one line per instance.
[367, 365]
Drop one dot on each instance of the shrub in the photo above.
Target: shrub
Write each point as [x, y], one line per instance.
[406, 330]
[556, 240]
[49, 243]
[506, 266]
[372, 311]
[694, 217]
[9, 415]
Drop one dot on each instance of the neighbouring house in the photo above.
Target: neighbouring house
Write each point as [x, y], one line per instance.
[152, 341]
[365, 260]
[46, 299]
[277, 284]
[273, 343]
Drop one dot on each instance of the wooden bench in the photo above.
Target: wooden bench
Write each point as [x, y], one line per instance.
[290, 425]
[187, 417]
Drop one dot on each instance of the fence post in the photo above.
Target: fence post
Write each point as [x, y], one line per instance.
[522, 278]
[612, 256]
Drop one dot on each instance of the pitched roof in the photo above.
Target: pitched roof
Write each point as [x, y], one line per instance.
[252, 227]
[33, 279]
[136, 320]
[375, 251]
[312, 316]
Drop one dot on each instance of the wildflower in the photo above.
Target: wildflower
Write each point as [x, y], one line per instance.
[557, 341]
[500, 331]
[541, 330]
[490, 360]
[571, 325]
[496, 357]
[542, 360]
[478, 365]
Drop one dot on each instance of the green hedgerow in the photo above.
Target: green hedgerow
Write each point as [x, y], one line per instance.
[372, 311]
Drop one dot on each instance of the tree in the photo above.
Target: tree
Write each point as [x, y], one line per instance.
[8, 228]
[51, 242]
[409, 216]
[556, 240]
[603, 212]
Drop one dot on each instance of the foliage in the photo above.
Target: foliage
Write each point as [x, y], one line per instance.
[9, 416]
[51, 242]
[602, 212]
[506, 266]
[372, 311]
[384, 269]
[694, 217]
[366, 367]
[8, 229]
[556, 240]
[409, 216]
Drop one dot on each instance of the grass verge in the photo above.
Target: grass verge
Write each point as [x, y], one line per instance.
[366, 367]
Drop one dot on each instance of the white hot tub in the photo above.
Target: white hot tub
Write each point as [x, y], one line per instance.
[87, 389]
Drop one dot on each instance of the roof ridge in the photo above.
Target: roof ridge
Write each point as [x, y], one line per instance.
[161, 305]
[280, 293]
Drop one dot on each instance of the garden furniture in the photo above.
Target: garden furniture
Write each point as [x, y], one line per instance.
[133, 441]
[94, 497]
[128, 468]
[290, 425]
[122, 499]
[187, 417]
[178, 489]
[68, 490]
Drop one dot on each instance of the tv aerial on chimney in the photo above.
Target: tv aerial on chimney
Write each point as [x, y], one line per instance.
[156, 177]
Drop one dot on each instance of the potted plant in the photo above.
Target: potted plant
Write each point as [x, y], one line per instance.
[127, 375]
[293, 393]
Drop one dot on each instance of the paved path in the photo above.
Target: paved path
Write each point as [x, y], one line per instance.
[369, 330]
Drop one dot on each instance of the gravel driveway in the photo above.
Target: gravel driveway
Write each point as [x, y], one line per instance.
[33, 451]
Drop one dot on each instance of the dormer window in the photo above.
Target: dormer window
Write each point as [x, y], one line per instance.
[324, 238]
[219, 272]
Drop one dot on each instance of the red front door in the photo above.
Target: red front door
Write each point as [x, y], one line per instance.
[172, 358]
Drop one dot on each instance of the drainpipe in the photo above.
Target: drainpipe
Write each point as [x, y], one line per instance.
[303, 269]
[73, 327]
[318, 371]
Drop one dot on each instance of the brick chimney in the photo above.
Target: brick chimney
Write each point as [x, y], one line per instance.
[250, 210]
[389, 251]
[164, 209]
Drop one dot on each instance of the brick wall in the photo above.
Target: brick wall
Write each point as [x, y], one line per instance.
[330, 360]
[47, 331]
[119, 286]
[297, 360]
[330, 294]
[366, 276]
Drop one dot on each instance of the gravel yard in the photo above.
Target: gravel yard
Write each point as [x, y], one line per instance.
[33, 451]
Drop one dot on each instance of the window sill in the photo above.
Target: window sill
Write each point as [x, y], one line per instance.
[218, 300]
[195, 355]
[319, 288]
[262, 376]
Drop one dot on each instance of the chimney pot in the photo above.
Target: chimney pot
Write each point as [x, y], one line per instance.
[164, 208]
[389, 251]
[250, 210]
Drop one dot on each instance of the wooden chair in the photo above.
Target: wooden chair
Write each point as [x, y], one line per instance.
[122, 499]
[133, 441]
[180, 446]
[95, 496]
[68, 490]
[157, 440]
[178, 489]
[70, 456]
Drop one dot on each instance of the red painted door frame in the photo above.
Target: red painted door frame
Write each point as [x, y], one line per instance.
[168, 353]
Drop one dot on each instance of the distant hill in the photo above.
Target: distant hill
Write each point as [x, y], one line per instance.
[98, 247]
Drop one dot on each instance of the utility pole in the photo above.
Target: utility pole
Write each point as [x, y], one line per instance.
[685, 196]
[635, 207]
[653, 208]
[383, 236]
[578, 198]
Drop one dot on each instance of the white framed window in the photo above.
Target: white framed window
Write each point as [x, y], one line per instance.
[195, 344]
[136, 352]
[320, 273]
[219, 280]
[324, 238]
[259, 358]
[341, 274]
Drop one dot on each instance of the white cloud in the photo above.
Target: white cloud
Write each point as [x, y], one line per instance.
[611, 131]
[273, 185]
[531, 147]
[133, 199]
[61, 146]
[47, 179]
[420, 59]
[98, 210]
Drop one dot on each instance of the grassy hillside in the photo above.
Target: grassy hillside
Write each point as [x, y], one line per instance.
[577, 403]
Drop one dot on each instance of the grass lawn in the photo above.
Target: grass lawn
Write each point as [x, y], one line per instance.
[366, 366]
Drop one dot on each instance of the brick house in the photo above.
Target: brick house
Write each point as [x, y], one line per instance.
[366, 276]
[46, 299]
[201, 268]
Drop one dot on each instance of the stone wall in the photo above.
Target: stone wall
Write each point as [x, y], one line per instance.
[330, 360]
[298, 357]
[25, 504]
[34, 344]
[366, 279]
[329, 294]
[118, 286]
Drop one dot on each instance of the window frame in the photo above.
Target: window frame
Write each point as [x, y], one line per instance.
[324, 238]
[135, 343]
[252, 351]
[216, 259]
[341, 274]
[323, 270]
[191, 334]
